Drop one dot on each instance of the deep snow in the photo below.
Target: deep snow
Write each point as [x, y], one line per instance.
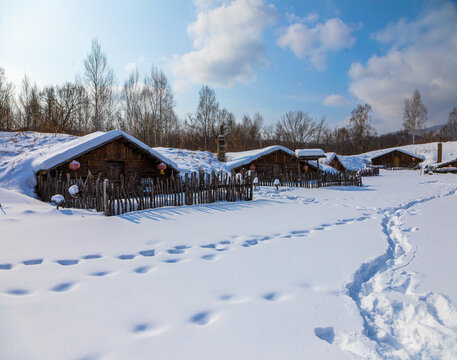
[334, 273]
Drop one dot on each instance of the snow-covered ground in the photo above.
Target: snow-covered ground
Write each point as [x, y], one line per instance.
[330, 273]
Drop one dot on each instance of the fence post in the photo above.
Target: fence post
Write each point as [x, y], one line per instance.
[105, 197]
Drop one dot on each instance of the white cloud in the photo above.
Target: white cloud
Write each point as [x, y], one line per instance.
[423, 56]
[313, 43]
[334, 100]
[228, 42]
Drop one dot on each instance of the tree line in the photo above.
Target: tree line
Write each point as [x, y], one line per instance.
[145, 108]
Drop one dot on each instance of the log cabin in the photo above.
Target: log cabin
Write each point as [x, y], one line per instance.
[397, 158]
[346, 163]
[275, 161]
[109, 154]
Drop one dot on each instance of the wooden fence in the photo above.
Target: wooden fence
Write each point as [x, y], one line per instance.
[369, 172]
[312, 180]
[115, 198]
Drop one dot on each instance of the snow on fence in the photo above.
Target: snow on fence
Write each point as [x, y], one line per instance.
[312, 180]
[119, 197]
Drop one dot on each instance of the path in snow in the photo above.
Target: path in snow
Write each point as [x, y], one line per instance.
[403, 324]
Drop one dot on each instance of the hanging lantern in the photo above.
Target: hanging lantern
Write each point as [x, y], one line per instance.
[252, 167]
[414, 159]
[305, 168]
[450, 165]
[74, 165]
[162, 168]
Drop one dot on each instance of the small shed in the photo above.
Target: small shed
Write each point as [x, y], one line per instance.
[346, 163]
[109, 154]
[270, 161]
[397, 158]
[309, 159]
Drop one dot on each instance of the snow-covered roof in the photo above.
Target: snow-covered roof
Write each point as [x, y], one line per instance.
[309, 153]
[351, 163]
[237, 159]
[444, 163]
[382, 153]
[62, 153]
[323, 167]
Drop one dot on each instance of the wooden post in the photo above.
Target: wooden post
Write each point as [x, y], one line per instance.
[105, 197]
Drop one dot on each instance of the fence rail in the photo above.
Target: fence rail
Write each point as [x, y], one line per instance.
[115, 198]
[312, 180]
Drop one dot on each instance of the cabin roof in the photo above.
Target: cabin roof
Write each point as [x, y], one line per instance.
[444, 163]
[62, 153]
[309, 153]
[349, 162]
[382, 153]
[237, 159]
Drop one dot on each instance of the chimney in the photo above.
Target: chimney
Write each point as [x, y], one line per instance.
[439, 157]
[221, 148]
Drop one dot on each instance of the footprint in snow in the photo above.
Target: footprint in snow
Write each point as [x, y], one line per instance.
[151, 252]
[175, 251]
[100, 273]
[142, 269]
[225, 297]
[126, 257]
[6, 266]
[201, 318]
[18, 292]
[33, 262]
[182, 247]
[62, 287]
[272, 296]
[91, 257]
[208, 246]
[209, 257]
[171, 261]
[140, 328]
[326, 334]
[67, 262]
[225, 242]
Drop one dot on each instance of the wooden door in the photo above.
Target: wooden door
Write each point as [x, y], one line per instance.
[276, 169]
[396, 161]
[114, 170]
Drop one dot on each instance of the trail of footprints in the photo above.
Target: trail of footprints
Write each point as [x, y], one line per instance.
[176, 254]
[200, 318]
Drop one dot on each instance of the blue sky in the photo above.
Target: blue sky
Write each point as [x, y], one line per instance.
[322, 57]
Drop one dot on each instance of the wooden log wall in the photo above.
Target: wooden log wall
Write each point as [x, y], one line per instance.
[115, 198]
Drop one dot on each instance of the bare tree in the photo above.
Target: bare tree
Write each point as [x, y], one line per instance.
[29, 106]
[295, 129]
[414, 114]
[99, 79]
[161, 102]
[320, 130]
[360, 128]
[206, 115]
[452, 123]
[6, 103]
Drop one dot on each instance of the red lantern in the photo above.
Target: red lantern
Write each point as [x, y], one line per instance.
[74, 165]
[414, 159]
[450, 165]
[305, 168]
[162, 167]
[252, 167]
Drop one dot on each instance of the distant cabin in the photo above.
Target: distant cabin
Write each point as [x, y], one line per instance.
[109, 155]
[275, 161]
[397, 158]
[270, 161]
[346, 163]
